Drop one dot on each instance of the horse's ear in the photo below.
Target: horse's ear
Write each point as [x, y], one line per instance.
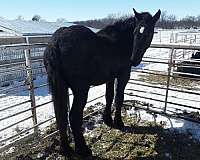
[156, 16]
[137, 15]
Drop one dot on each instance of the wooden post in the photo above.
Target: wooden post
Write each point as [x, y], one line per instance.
[31, 87]
[168, 78]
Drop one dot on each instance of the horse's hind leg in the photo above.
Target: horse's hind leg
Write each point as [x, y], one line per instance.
[59, 96]
[107, 118]
[80, 93]
[119, 98]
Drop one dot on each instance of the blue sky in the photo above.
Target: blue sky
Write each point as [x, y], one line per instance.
[73, 10]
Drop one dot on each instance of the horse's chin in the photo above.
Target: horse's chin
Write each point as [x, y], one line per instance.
[136, 63]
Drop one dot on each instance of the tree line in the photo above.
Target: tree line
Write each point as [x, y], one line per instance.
[166, 21]
[169, 21]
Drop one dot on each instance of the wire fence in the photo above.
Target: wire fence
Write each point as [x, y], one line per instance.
[162, 83]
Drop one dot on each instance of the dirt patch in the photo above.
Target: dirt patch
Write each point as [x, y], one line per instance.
[174, 81]
[192, 115]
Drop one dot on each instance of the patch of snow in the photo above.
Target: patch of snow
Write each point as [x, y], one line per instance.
[180, 125]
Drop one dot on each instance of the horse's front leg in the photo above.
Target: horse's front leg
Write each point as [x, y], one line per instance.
[119, 99]
[76, 121]
[107, 118]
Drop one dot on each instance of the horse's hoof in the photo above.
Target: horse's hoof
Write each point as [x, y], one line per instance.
[108, 120]
[84, 152]
[66, 151]
[118, 124]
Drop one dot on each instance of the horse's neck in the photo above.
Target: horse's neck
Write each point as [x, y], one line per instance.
[121, 40]
[115, 38]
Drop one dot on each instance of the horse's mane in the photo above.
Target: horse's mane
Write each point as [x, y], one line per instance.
[112, 31]
[124, 23]
[120, 24]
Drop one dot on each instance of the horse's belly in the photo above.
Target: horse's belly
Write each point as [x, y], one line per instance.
[99, 78]
[98, 82]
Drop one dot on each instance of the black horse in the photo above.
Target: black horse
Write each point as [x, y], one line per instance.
[77, 58]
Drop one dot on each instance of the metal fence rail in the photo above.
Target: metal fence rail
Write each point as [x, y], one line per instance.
[169, 74]
[139, 88]
[19, 63]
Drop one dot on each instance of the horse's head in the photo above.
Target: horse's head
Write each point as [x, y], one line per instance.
[143, 34]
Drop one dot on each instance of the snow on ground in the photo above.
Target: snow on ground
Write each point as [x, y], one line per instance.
[46, 112]
[43, 113]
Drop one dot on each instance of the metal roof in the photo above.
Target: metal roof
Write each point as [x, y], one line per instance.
[24, 28]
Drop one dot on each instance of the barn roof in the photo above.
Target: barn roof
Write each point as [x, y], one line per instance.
[24, 28]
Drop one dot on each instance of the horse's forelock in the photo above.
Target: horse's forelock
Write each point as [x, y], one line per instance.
[146, 16]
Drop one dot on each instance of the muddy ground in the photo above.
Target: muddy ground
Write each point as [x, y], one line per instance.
[141, 140]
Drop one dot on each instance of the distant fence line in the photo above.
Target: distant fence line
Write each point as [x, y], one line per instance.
[23, 39]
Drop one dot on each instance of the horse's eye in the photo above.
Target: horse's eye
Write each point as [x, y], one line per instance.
[141, 30]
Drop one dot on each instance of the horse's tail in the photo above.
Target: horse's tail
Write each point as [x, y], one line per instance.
[52, 62]
[58, 87]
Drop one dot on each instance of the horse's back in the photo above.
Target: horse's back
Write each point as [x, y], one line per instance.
[75, 47]
[75, 33]
[74, 38]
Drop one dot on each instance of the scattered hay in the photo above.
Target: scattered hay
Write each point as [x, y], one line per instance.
[141, 140]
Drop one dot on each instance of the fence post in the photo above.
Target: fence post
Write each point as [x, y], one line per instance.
[195, 38]
[168, 78]
[173, 62]
[172, 38]
[160, 36]
[176, 37]
[68, 110]
[27, 54]
[185, 38]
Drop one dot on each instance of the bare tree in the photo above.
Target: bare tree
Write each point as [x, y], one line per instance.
[61, 20]
[36, 18]
[171, 21]
[189, 22]
[166, 21]
[20, 17]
